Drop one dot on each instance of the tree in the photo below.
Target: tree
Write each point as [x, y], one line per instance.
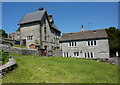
[114, 39]
[3, 34]
[18, 29]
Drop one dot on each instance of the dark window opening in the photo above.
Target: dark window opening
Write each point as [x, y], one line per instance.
[85, 55]
[91, 42]
[45, 38]
[75, 44]
[94, 42]
[88, 55]
[45, 30]
[91, 55]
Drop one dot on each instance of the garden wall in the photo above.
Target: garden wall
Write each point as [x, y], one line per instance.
[16, 50]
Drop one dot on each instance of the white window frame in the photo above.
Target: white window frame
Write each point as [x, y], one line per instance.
[65, 54]
[89, 55]
[76, 55]
[70, 43]
[29, 38]
[92, 41]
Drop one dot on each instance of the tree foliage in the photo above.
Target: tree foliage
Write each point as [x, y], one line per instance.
[114, 39]
[18, 29]
[4, 57]
[36, 42]
[3, 34]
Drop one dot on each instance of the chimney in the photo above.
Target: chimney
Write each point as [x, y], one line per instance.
[82, 29]
[40, 9]
[50, 16]
[51, 19]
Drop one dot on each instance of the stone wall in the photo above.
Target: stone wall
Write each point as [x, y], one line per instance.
[16, 50]
[9, 66]
[58, 52]
[30, 30]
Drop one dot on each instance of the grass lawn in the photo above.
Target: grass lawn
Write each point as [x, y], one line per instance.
[19, 46]
[61, 70]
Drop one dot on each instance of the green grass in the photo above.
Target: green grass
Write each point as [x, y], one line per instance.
[19, 46]
[18, 55]
[61, 70]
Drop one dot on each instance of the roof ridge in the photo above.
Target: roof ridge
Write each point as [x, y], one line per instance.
[85, 31]
[35, 12]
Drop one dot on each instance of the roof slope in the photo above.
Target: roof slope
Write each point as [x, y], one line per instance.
[31, 17]
[84, 35]
[54, 27]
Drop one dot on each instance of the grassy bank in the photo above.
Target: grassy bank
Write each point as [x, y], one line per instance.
[61, 70]
[20, 46]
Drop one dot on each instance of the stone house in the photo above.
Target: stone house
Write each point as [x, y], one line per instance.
[85, 44]
[14, 35]
[37, 30]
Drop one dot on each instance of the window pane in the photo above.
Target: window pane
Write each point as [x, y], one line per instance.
[67, 54]
[88, 55]
[85, 55]
[91, 55]
[91, 42]
[75, 43]
[70, 44]
[94, 42]
[77, 53]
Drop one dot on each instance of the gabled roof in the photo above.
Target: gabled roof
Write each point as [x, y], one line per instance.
[31, 17]
[36, 16]
[84, 35]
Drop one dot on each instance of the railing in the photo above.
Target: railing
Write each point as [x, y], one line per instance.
[9, 66]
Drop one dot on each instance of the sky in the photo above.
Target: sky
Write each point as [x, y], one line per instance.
[68, 16]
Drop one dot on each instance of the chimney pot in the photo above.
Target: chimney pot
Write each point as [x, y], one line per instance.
[82, 29]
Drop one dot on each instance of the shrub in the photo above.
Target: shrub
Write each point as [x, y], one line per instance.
[4, 57]
[102, 60]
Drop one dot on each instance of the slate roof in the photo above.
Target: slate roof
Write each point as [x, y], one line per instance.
[84, 35]
[35, 16]
[31, 17]
[54, 27]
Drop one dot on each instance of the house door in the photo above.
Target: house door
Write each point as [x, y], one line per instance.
[24, 42]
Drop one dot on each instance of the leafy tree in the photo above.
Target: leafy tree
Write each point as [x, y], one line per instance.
[3, 34]
[114, 39]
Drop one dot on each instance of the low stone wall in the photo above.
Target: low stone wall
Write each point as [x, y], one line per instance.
[16, 50]
[58, 53]
[9, 66]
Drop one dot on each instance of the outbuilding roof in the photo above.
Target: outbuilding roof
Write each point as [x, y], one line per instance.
[84, 35]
